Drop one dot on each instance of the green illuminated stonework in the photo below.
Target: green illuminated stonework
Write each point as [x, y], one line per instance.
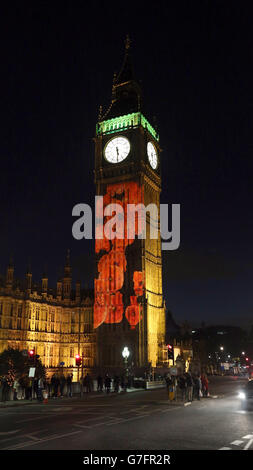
[125, 122]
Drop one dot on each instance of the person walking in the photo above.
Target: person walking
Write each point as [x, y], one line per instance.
[189, 386]
[108, 381]
[62, 385]
[204, 383]
[86, 383]
[196, 387]
[69, 385]
[99, 383]
[170, 387]
[40, 389]
[15, 389]
[5, 390]
[116, 382]
[182, 386]
[35, 388]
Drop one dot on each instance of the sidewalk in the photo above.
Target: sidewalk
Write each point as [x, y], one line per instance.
[13, 403]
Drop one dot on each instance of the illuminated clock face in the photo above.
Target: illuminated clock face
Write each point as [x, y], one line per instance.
[152, 155]
[117, 149]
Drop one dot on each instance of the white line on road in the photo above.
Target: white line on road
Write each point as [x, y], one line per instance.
[171, 409]
[249, 436]
[6, 433]
[225, 448]
[50, 438]
[83, 426]
[248, 444]
[236, 443]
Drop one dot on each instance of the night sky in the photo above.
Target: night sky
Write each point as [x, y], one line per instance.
[194, 60]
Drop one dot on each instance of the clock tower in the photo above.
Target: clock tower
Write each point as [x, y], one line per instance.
[128, 306]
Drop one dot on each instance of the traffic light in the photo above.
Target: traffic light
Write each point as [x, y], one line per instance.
[78, 360]
[170, 351]
[31, 354]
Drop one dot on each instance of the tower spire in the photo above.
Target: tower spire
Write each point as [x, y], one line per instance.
[126, 91]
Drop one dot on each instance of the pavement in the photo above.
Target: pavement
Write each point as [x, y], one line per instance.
[22, 402]
[144, 420]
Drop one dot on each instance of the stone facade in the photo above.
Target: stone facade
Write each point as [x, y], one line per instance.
[56, 324]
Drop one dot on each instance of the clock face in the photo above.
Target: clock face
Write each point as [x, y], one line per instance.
[152, 155]
[117, 149]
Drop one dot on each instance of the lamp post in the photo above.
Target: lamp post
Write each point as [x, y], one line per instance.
[125, 355]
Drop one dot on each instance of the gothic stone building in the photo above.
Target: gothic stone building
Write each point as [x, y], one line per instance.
[56, 324]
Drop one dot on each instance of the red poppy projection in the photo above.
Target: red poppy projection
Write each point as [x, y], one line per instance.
[112, 266]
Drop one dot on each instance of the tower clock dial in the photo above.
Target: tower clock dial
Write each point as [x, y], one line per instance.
[117, 149]
[152, 155]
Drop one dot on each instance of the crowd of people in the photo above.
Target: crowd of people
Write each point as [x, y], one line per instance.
[187, 386]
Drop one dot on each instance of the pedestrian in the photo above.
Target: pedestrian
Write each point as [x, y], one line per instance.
[170, 387]
[182, 386]
[35, 387]
[30, 389]
[62, 384]
[40, 389]
[69, 385]
[116, 382]
[108, 381]
[86, 383]
[99, 383]
[122, 383]
[89, 383]
[196, 387]
[189, 386]
[5, 389]
[15, 389]
[204, 383]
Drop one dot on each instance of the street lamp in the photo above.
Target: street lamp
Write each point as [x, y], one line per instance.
[222, 348]
[125, 355]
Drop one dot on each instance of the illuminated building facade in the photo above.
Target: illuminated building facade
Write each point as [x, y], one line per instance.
[128, 300]
[57, 324]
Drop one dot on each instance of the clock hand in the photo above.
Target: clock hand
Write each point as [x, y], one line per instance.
[117, 150]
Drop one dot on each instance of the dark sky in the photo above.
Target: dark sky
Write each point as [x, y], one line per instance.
[195, 63]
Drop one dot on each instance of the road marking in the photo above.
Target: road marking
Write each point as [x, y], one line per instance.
[6, 433]
[82, 426]
[225, 448]
[236, 443]
[248, 444]
[249, 436]
[171, 409]
[35, 419]
[30, 436]
[60, 408]
[50, 438]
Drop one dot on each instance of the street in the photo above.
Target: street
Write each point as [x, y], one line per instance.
[139, 420]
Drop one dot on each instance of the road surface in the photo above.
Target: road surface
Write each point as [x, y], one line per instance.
[139, 420]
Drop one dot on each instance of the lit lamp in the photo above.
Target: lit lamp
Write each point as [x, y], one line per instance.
[125, 355]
